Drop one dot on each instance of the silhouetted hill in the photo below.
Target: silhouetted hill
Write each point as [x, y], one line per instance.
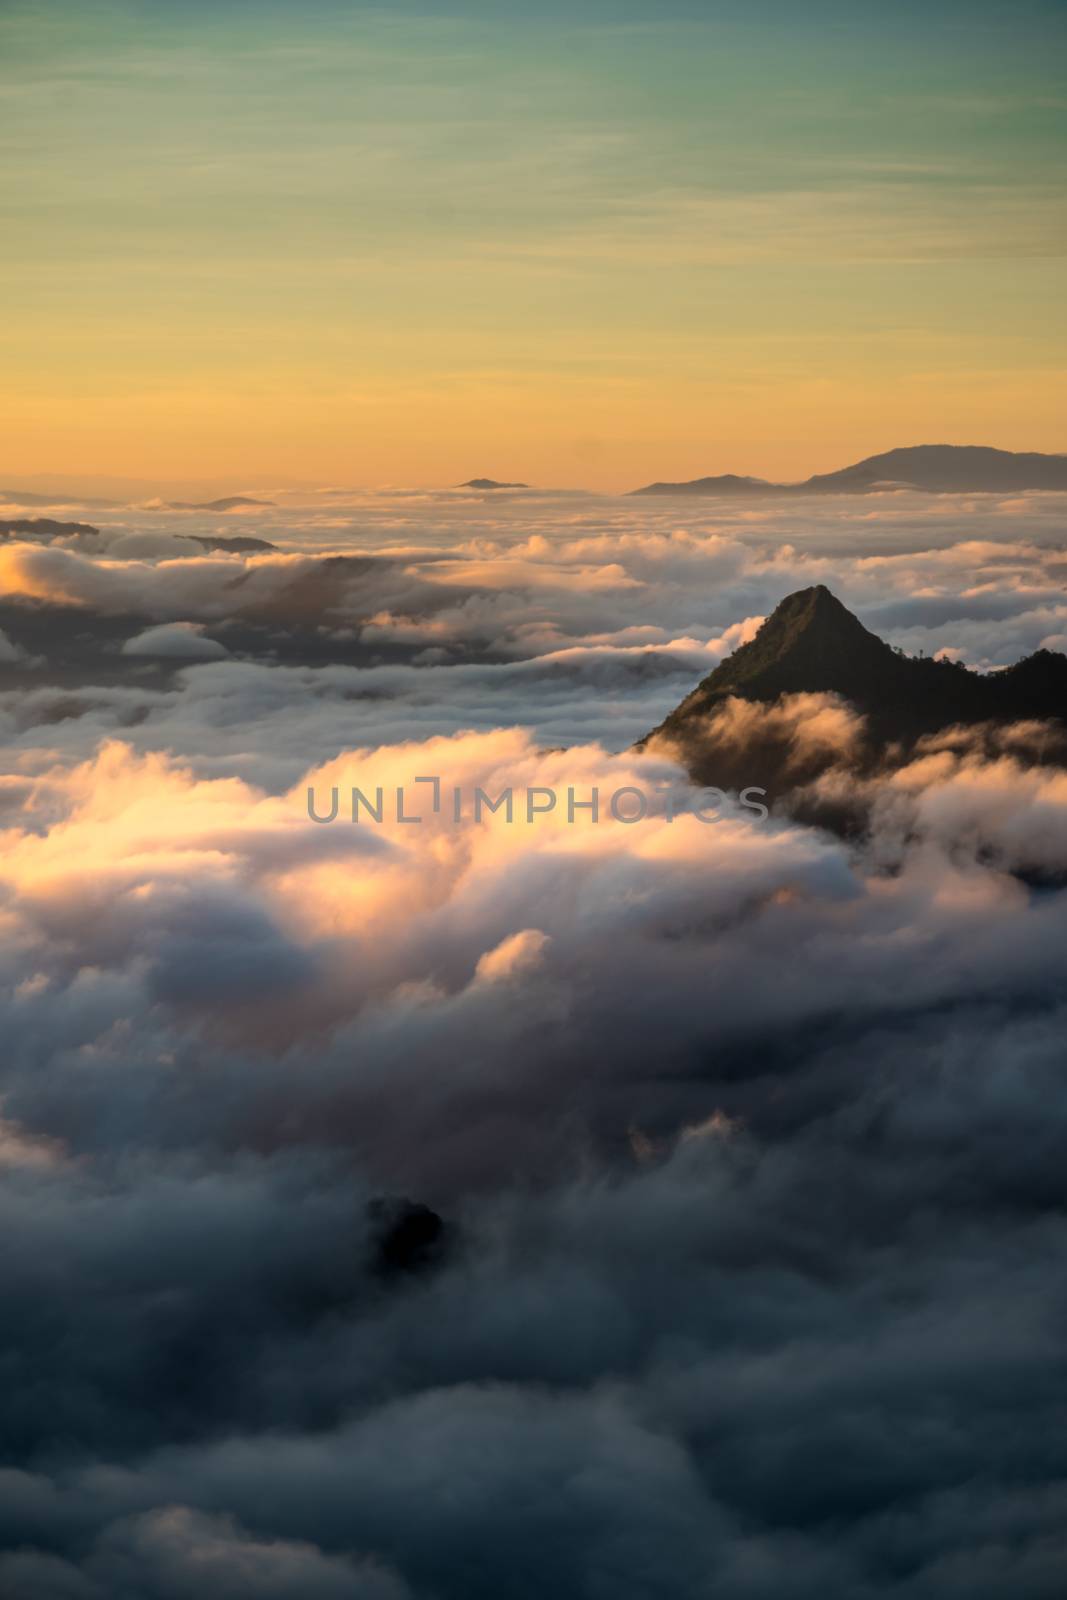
[937, 468]
[239, 542]
[229, 502]
[491, 483]
[811, 644]
[949, 468]
[725, 483]
[44, 528]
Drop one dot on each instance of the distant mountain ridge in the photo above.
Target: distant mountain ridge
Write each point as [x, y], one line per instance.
[935, 468]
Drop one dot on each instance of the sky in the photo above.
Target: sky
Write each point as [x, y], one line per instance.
[259, 244]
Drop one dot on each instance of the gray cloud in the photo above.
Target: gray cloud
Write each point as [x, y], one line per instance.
[748, 1142]
[183, 641]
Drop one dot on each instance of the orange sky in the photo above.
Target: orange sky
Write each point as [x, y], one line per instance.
[367, 248]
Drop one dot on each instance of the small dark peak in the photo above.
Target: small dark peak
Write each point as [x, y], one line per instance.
[228, 502]
[491, 483]
[724, 483]
[239, 543]
[406, 1236]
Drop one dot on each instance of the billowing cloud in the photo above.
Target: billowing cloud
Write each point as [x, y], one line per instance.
[184, 641]
[747, 1139]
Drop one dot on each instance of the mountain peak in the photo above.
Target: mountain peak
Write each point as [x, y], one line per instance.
[810, 607]
[810, 642]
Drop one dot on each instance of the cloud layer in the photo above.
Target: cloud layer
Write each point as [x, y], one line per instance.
[748, 1143]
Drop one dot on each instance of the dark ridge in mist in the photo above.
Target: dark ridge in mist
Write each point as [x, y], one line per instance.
[240, 542]
[44, 528]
